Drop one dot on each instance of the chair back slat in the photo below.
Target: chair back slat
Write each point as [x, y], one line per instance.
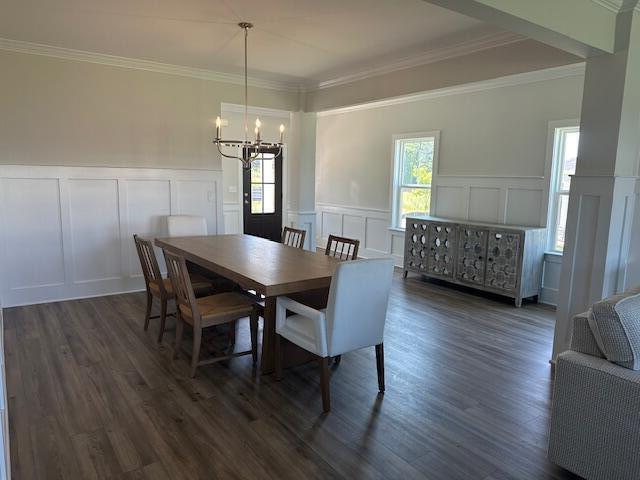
[342, 247]
[182, 287]
[148, 260]
[293, 237]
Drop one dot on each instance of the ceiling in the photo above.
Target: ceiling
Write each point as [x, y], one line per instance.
[304, 41]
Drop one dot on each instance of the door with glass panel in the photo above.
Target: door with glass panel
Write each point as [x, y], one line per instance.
[262, 195]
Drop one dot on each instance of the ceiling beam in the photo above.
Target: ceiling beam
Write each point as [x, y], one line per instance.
[581, 27]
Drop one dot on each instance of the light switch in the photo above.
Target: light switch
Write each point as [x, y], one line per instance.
[233, 189]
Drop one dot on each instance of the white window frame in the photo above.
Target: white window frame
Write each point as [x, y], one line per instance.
[396, 173]
[556, 142]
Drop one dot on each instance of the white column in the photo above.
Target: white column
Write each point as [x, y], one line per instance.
[302, 175]
[604, 191]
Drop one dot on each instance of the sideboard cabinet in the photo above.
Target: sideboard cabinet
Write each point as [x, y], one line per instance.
[502, 259]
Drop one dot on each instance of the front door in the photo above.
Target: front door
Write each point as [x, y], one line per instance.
[262, 195]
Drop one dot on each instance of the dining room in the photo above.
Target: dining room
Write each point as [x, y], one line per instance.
[342, 239]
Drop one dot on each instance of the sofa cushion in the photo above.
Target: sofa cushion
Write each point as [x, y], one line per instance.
[615, 323]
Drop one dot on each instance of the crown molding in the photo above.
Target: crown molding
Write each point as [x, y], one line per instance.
[431, 56]
[20, 46]
[618, 6]
[261, 111]
[554, 73]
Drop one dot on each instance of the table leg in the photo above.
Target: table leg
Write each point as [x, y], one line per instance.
[268, 335]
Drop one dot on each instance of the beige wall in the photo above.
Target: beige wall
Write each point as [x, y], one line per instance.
[63, 112]
[519, 57]
[498, 132]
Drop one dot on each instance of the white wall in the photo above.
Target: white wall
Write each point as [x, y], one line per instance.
[67, 232]
[492, 156]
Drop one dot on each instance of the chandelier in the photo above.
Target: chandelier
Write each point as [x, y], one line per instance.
[250, 149]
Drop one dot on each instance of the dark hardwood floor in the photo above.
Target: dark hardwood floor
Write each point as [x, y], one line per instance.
[91, 395]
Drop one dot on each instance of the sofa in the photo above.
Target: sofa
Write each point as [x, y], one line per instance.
[595, 418]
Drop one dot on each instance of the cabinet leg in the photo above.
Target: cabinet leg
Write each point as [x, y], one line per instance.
[518, 302]
[404, 275]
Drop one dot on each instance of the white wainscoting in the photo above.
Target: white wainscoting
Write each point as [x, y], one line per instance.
[305, 221]
[67, 231]
[504, 200]
[233, 218]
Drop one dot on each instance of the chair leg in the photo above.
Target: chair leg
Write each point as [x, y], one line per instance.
[278, 357]
[337, 359]
[324, 384]
[380, 366]
[195, 355]
[148, 314]
[163, 317]
[232, 335]
[179, 331]
[253, 325]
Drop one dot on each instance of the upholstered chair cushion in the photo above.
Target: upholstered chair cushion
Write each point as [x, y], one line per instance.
[615, 323]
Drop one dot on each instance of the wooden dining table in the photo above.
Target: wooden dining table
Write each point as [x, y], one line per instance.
[269, 268]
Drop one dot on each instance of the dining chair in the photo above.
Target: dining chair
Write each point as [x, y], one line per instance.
[293, 237]
[219, 309]
[159, 287]
[342, 247]
[186, 225]
[354, 318]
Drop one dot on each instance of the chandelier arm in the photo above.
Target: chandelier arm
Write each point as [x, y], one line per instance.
[235, 157]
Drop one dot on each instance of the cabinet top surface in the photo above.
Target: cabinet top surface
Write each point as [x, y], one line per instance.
[500, 226]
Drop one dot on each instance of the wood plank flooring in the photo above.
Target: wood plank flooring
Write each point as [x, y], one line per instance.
[93, 396]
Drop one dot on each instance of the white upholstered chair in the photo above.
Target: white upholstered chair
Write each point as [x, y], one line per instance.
[354, 318]
[186, 225]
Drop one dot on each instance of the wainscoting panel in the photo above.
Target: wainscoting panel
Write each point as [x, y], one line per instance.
[452, 202]
[147, 203]
[233, 222]
[484, 204]
[32, 233]
[198, 197]
[95, 229]
[305, 221]
[524, 206]
[331, 224]
[354, 226]
[67, 231]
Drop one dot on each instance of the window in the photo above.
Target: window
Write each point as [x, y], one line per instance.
[565, 152]
[414, 160]
[263, 184]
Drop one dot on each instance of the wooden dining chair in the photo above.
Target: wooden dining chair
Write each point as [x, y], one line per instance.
[342, 247]
[159, 287]
[293, 237]
[354, 318]
[200, 313]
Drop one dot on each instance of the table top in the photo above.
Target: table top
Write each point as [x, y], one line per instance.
[270, 268]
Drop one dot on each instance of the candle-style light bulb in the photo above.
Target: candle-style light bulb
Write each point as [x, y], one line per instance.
[258, 125]
[281, 133]
[218, 127]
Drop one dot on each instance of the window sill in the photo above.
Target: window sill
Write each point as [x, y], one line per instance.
[396, 229]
